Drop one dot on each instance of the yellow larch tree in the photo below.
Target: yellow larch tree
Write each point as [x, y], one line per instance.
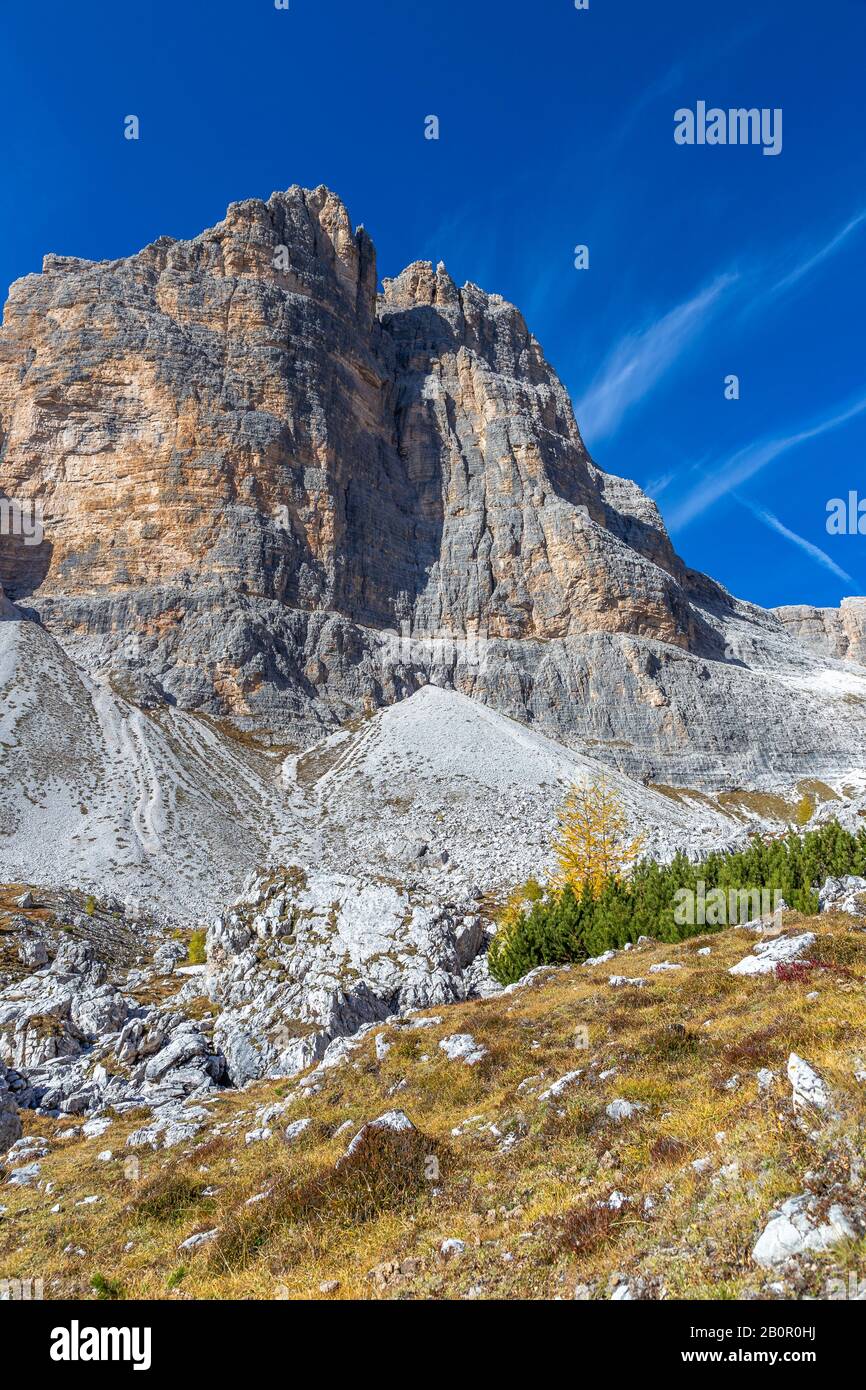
[592, 844]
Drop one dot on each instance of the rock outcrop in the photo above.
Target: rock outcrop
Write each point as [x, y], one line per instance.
[304, 961]
[10, 1123]
[58, 1010]
[799, 1227]
[81, 1044]
[298, 972]
[846, 894]
[839, 633]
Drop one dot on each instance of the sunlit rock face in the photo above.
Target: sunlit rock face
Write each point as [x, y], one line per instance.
[239, 411]
[835, 632]
[273, 494]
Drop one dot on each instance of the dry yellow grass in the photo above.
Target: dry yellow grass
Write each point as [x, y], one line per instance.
[528, 1213]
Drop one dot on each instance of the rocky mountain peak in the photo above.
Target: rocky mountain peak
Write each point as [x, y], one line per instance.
[271, 493]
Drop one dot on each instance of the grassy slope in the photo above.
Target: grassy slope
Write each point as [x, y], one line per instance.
[528, 1215]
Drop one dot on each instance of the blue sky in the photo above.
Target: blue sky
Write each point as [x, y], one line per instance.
[556, 129]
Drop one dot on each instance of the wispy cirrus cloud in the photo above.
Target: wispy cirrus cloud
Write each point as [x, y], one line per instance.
[810, 263]
[656, 486]
[815, 551]
[736, 470]
[643, 356]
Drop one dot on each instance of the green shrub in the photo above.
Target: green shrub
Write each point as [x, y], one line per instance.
[105, 1288]
[561, 927]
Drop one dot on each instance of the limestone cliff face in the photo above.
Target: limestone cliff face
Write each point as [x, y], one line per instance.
[506, 487]
[273, 494]
[834, 632]
[238, 411]
[163, 407]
